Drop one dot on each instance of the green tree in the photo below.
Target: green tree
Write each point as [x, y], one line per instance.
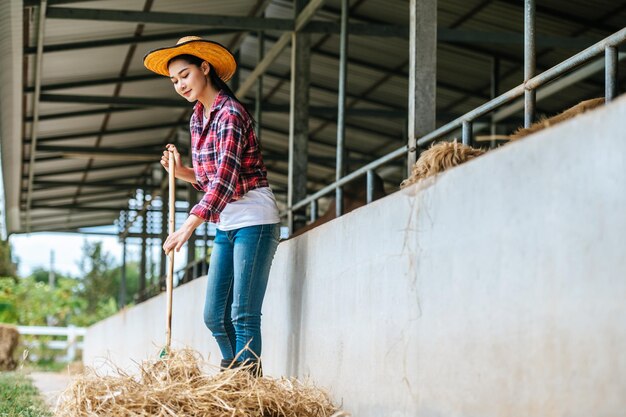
[132, 281]
[98, 284]
[43, 275]
[79, 301]
[28, 302]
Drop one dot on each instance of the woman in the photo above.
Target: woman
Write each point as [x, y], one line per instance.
[229, 169]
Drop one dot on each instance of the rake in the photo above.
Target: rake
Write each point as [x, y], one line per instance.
[169, 282]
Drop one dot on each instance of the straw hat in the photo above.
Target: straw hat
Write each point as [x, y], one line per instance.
[215, 54]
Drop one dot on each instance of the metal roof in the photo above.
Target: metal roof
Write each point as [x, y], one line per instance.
[88, 107]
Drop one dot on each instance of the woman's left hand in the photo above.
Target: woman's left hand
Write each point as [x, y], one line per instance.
[177, 239]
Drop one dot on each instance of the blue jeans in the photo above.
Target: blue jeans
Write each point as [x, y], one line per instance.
[237, 279]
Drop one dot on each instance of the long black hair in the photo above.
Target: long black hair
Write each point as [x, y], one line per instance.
[214, 78]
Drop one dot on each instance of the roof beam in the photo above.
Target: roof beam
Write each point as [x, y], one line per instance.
[100, 81]
[98, 43]
[111, 80]
[232, 23]
[99, 195]
[270, 56]
[83, 207]
[106, 133]
[31, 3]
[563, 14]
[151, 156]
[82, 169]
[132, 101]
[125, 154]
[59, 222]
[94, 112]
[195, 19]
[372, 29]
[381, 68]
[44, 185]
[267, 107]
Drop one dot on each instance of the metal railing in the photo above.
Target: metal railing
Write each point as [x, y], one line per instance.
[607, 46]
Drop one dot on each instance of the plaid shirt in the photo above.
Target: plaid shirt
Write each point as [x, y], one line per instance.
[226, 157]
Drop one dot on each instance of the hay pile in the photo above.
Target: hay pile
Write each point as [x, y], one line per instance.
[438, 158]
[544, 122]
[9, 338]
[176, 386]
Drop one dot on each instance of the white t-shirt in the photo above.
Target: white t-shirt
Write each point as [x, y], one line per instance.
[254, 208]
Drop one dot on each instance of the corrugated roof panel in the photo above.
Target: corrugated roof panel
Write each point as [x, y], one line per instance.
[145, 117]
[391, 11]
[68, 66]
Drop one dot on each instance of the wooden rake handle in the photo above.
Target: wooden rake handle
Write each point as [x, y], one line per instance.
[169, 283]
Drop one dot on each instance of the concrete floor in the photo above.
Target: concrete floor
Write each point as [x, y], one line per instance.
[51, 385]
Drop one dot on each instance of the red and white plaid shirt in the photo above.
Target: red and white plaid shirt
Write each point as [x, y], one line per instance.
[225, 154]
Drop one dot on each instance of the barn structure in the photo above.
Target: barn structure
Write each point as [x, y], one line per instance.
[493, 289]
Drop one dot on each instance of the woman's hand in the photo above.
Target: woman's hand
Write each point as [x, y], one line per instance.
[181, 172]
[165, 159]
[177, 239]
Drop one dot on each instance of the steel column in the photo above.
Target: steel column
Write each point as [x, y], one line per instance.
[370, 186]
[529, 61]
[142, 262]
[341, 106]
[259, 85]
[495, 90]
[313, 210]
[122, 295]
[610, 73]
[298, 119]
[467, 132]
[422, 77]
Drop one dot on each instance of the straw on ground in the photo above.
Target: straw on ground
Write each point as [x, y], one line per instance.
[176, 386]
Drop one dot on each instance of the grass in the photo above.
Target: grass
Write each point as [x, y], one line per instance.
[19, 397]
[48, 365]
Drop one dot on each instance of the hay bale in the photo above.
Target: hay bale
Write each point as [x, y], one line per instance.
[9, 338]
[544, 122]
[177, 386]
[438, 158]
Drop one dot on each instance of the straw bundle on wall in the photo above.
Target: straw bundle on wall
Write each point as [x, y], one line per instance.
[9, 338]
[176, 386]
[544, 122]
[438, 158]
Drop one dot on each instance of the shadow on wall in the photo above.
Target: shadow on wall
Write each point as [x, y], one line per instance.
[297, 280]
[354, 196]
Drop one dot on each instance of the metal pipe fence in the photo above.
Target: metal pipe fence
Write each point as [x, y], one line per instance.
[607, 46]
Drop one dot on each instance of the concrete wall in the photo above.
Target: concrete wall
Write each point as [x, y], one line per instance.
[496, 289]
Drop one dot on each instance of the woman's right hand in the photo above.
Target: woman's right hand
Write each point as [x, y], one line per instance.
[165, 159]
[181, 172]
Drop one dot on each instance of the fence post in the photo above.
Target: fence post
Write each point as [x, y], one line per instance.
[71, 343]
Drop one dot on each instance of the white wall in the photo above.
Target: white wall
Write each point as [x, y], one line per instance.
[495, 289]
